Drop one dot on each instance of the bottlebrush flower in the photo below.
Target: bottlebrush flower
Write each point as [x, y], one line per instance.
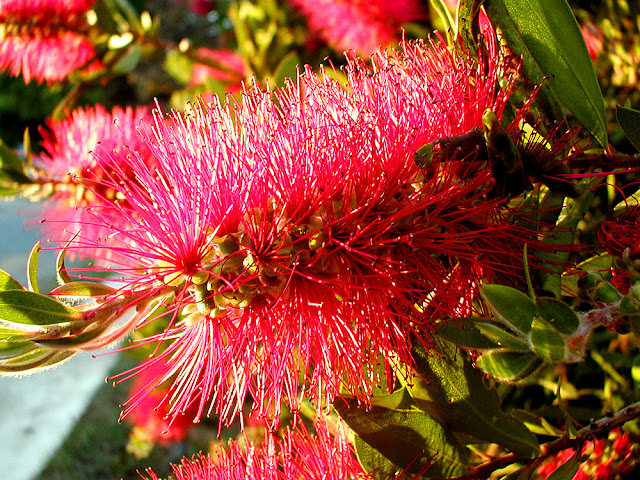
[44, 39]
[294, 240]
[363, 26]
[69, 146]
[150, 419]
[298, 455]
[608, 458]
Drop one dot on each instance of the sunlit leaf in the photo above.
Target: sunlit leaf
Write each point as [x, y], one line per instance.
[287, 68]
[547, 342]
[547, 33]
[7, 282]
[61, 271]
[453, 391]
[508, 366]
[511, 306]
[82, 289]
[32, 268]
[558, 314]
[373, 461]
[502, 338]
[409, 439]
[30, 308]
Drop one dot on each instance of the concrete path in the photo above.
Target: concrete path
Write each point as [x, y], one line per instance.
[39, 411]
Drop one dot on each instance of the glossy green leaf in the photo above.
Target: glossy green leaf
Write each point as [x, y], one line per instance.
[547, 342]
[464, 332]
[373, 462]
[82, 289]
[7, 282]
[453, 391]
[409, 439]
[397, 400]
[558, 314]
[32, 268]
[629, 121]
[503, 338]
[547, 32]
[30, 308]
[466, 29]
[508, 366]
[511, 306]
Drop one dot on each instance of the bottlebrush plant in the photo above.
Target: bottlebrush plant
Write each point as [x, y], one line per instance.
[416, 264]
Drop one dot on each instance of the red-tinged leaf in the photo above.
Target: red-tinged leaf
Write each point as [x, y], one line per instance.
[410, 439]
[30, 308]
[61, 271]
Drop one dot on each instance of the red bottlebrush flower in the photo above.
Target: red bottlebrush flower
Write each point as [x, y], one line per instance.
[150, 415]
[363, 26]
[609, 458]
[593, 39]
[296, 242]
[621, 237]
[44, 39]
[324, 456]
[69, 146]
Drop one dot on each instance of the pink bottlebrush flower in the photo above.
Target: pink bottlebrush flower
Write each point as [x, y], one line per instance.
[593, 38]
[294, 240]
[325, 456]
[44, 39]
[69, 153]
[150, 415]
[363, 26]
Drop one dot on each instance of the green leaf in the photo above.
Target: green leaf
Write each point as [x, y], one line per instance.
[7, 282]
[373, 462]
[464, 332]
[30, 308]
[453, 391]
[82, 289]
[537, 424]
[129, 60]
[409, 439]
[397, 400]
[10, 162]
[558, 314]
[508, 366]
[629, 121]
[503, 338]
[287, 68]
[466, 29]
[547, 32]
[32, 268]
[511, 306]
[547, 342]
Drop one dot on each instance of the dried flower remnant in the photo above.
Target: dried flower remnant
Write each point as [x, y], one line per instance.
[325, 455]
[44, 39]
[363, 26]
[69, 153]
[297, 242]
